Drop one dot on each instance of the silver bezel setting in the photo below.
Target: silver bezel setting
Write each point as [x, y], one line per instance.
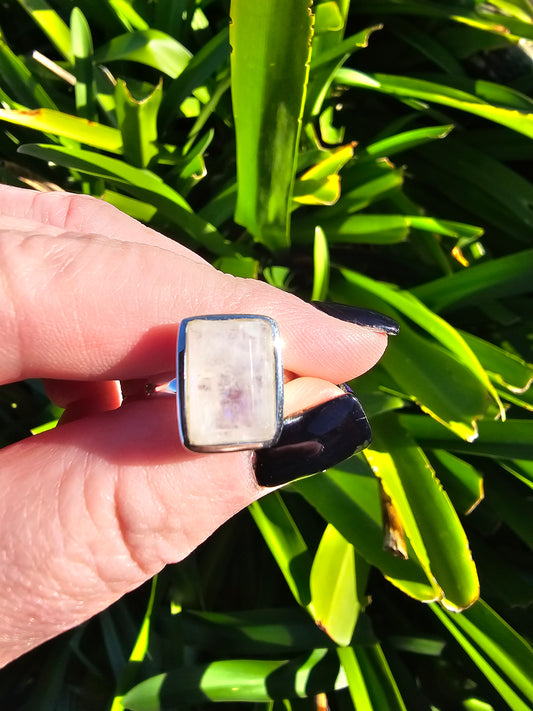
[182, 385]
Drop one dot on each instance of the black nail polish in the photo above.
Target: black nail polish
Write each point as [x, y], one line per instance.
[314, 440]
[362, 317]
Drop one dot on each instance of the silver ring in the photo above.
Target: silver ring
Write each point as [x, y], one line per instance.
[229, 382]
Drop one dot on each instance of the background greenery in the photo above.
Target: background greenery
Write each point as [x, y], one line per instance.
[390, 168]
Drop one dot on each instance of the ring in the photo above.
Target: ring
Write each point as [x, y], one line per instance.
[229, 382]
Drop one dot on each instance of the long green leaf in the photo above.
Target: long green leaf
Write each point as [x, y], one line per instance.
[419, 365]
[512, 439]
[137, 120]
[19, 80]
[379, 678]
[82, 49]
[151, 47]
[334, 586]
[425, 511]
[51, 24]
[286, 544]
[414, 309]
[386, 147]
[321, 266]
[506, 276]
[348, 497]
[269, 67]
[359, 693]
[505, 658]
[387, 229]
[65, 125]
[140, 183]
[235, 680]
[505, 367]
[408, 88]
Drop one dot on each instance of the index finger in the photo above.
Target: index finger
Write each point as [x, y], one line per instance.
[86, 307]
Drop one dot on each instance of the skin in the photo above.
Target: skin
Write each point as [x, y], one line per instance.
[90, 301]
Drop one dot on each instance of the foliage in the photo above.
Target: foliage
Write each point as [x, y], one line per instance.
[388, 168]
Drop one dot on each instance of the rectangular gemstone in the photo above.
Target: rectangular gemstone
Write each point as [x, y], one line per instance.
[230, 382]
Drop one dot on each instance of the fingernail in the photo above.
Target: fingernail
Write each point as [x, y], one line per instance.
[362, 317]
[313, 441]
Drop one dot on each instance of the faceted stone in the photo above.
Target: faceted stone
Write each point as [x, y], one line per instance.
[231, 395]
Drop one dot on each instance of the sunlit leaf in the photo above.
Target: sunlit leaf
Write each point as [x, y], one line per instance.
[79, 129]
[269, 74]
[407, 87]
[428, 517]
[137, 120]
[234, 680]
[286, 544]
[334, 586]
[151, 47]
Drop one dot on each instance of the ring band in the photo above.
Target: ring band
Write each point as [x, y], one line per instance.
[229, 382]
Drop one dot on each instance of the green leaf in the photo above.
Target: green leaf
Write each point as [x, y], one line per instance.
[335, 579]
[408, 88]
[51, 24]
[286, 544]
[67, 126]
[506, 276]
[235, 680]
[365, 183]
[138, 209]
[400, 142]
[359, 693]
[505, 367]
[140, 183]
[328, 17]
[19, 80]
[321, 266]
[378, 678]
[348, 497]
[127, 15]
[82, 49]
[151, 47]
[269, 67]
[419, 366]
[388, 229]
[137, 121]
[414, 309]
[425, 511]
[503, 656]
[512, 439]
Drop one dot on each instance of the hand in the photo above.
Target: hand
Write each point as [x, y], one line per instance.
[90, 300]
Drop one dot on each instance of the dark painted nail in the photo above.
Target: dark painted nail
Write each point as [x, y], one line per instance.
[362, 317]
[314, 440]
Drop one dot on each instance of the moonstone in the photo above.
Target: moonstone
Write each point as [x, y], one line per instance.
[231, 382]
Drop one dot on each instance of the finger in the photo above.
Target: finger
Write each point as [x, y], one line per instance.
[304, 393]
[59, 212]
[81, 399]
[110, 500]
[86, 307]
